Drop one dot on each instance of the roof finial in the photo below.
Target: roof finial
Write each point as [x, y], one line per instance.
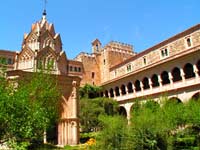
[45, 4]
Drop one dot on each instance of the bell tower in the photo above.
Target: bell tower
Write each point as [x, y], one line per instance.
[96, 46]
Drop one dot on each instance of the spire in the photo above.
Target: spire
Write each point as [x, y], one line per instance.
[44, 14]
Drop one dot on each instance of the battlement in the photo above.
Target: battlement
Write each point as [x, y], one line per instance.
[120, 45]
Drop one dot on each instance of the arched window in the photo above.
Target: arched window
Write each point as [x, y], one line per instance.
[130, 87]
[123, 89]
[189, 42]
[117, 91]
[198, 67]
[111, 93]
[154, 80]
[165, 78]
[137, 85]
[106, 93]
[176, 74]
[145, 83]
[188, 70]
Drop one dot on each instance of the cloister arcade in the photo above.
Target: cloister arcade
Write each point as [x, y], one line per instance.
[176, 80]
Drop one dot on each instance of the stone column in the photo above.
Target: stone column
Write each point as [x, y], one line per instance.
[182, 74]
[160, 81]
[75, 123]
[114, 93]
[150, 83]
[74, 100]
[133, 88]
[126, 89]
[141, 86]
[170, 78]
[120, 92]
[195, 70]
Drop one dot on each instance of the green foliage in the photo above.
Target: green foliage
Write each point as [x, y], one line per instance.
[114, 133]
[27, 111]
[90, 109]
[171, 126]
[156, 127]
[89, 91]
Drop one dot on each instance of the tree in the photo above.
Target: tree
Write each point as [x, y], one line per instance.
[89, 91]
[29, 109]
[91, 109]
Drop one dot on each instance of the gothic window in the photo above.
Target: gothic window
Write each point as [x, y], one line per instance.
[164, 53]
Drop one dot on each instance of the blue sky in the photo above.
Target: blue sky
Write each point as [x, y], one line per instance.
[141, 23]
